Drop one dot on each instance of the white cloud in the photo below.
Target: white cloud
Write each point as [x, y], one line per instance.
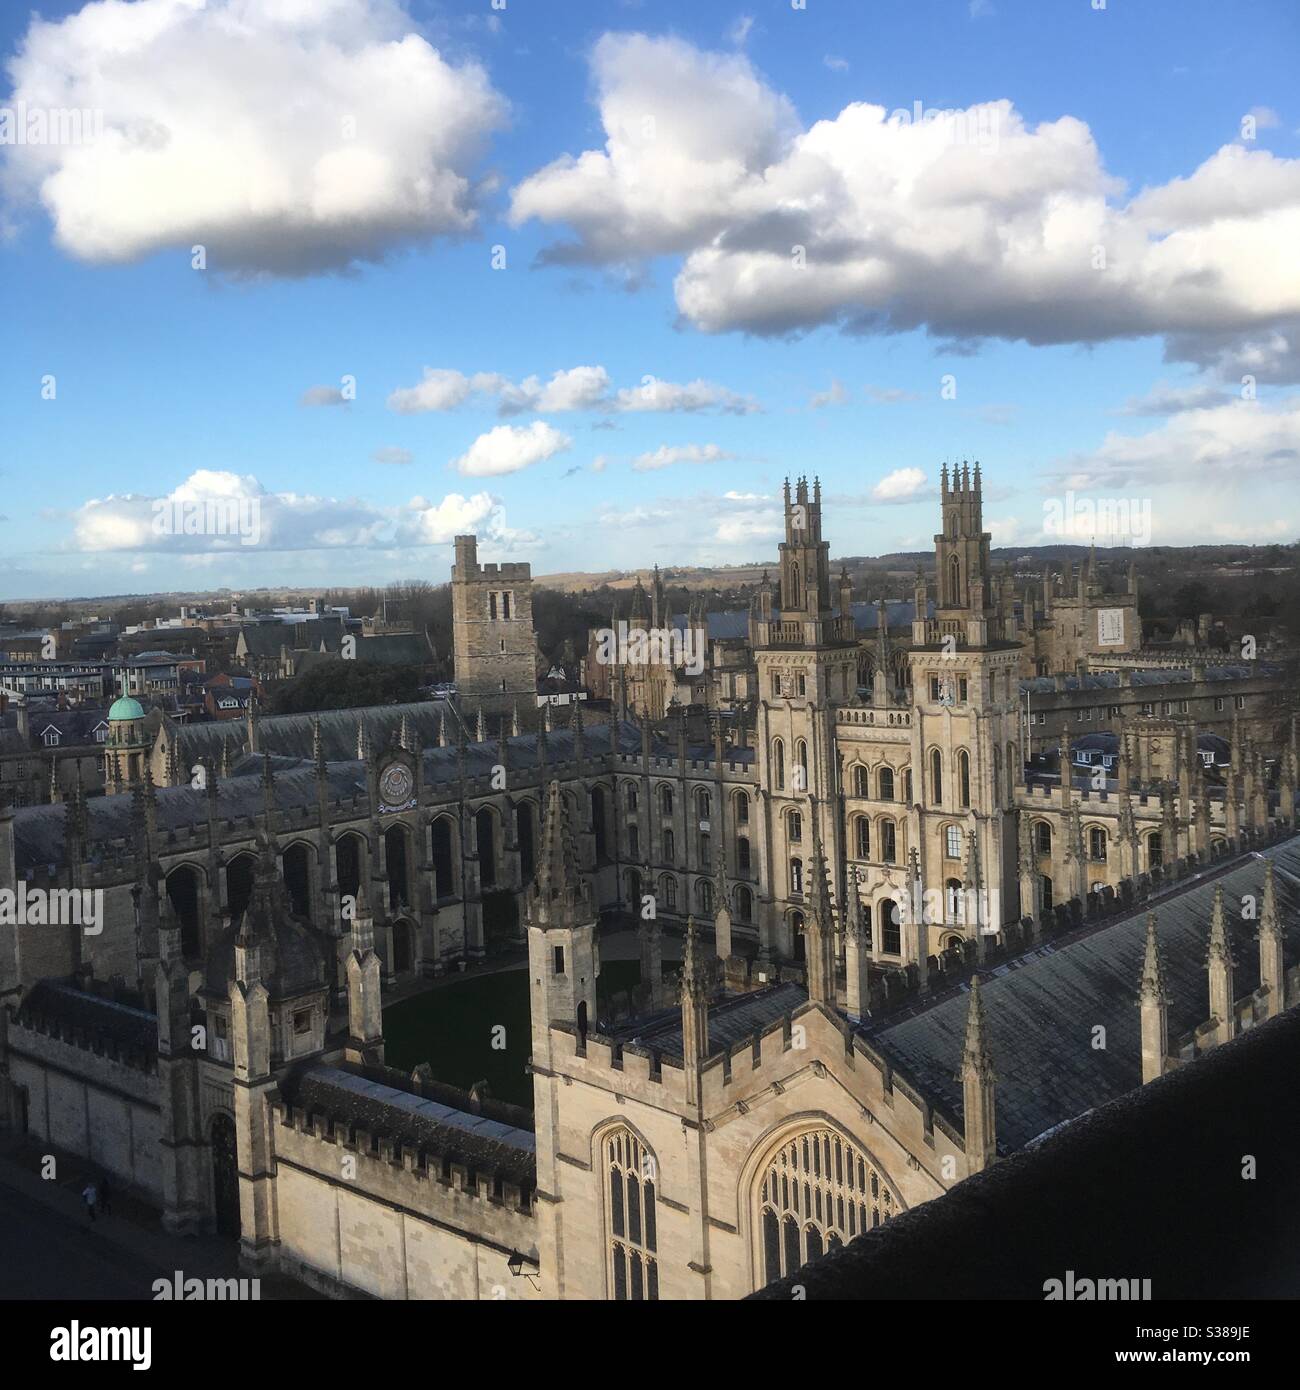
[286, 138]
[979, 225]
[1166, 399]
[511, 449]
[669, 454]
[835, 394]
[902, 485]
[285, 521]
[571, 389]
[836, 64]
[1235, 444]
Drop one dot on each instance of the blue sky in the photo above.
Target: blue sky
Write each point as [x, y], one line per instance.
[924, 264]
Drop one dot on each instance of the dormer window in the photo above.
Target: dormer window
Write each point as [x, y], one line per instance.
[51, 738]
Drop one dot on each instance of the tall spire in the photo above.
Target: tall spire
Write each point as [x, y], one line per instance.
[1219, 963]
[1154, 1003]
[978, 1080]
[560, 895]
[1272, 976]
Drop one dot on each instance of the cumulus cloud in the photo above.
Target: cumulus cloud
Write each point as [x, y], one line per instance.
[282, 521]
[668, 454]
[902, 485]
[971, 226]
[511, 449]
[571, 389]
[284, 138]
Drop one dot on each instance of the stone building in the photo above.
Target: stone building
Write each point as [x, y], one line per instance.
[493, 644]
[895, 930]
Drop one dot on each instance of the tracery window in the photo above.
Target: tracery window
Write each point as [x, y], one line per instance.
[631, 1173]
[818, 1191]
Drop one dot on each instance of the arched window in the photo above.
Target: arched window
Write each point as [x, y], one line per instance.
[954, 582]
[863, 837]
[796, 875]
[888, 842]
[629, 795]
[801, 766]
[668, 886]
[936, 777]
[666, 800]
[952, 842]
[794, 826]
[1155, 849]
[1097, 844]
[703, 804]
[742, 808]
[963, 776]
[954, 901]
[704, 896]
[1043, 835]
[891, 927]
[632, 1178]
[885, 781]
[778, 764]
[860, 780]
[744, 903]
[817, 1191]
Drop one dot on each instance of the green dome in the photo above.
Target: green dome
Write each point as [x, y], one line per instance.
[125, 708]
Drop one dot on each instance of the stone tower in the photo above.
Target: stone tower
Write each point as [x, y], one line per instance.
[492, 632]
[806, 660]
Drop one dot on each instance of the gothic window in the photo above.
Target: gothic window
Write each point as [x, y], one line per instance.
[801, 766]
[1097, 844]
[954, 582]
[632, 1176]
[885, 779]
[863, 827]
[907, 785]
[742, 808]
[963, 776]
[953, 902]
[794, 826]
[1043, 833]
[891, 927]
[742, 855]
[633, 842]
[666, 800]
[860, 780]
[952, 842]
[1155, 850]
[704, 896]
[801, 684]
[778, 764]
[888, 842]
[744, 903]
[629, 796]
[670, 892]
[703, 804]
[796, 875]
[669, 847]
[936, 777]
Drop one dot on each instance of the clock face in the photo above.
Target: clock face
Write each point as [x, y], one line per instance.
[396, 786]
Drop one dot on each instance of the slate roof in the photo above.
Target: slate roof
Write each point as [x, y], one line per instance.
[266, 639]
[393, 1109]
[732, 1020]
[898, 612]
[39, 830]
[1042, 1008]
[1116, 680]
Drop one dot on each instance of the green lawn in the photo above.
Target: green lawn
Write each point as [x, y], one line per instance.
[452, 1029]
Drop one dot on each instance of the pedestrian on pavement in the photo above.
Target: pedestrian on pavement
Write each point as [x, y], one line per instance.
[90, 1195]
